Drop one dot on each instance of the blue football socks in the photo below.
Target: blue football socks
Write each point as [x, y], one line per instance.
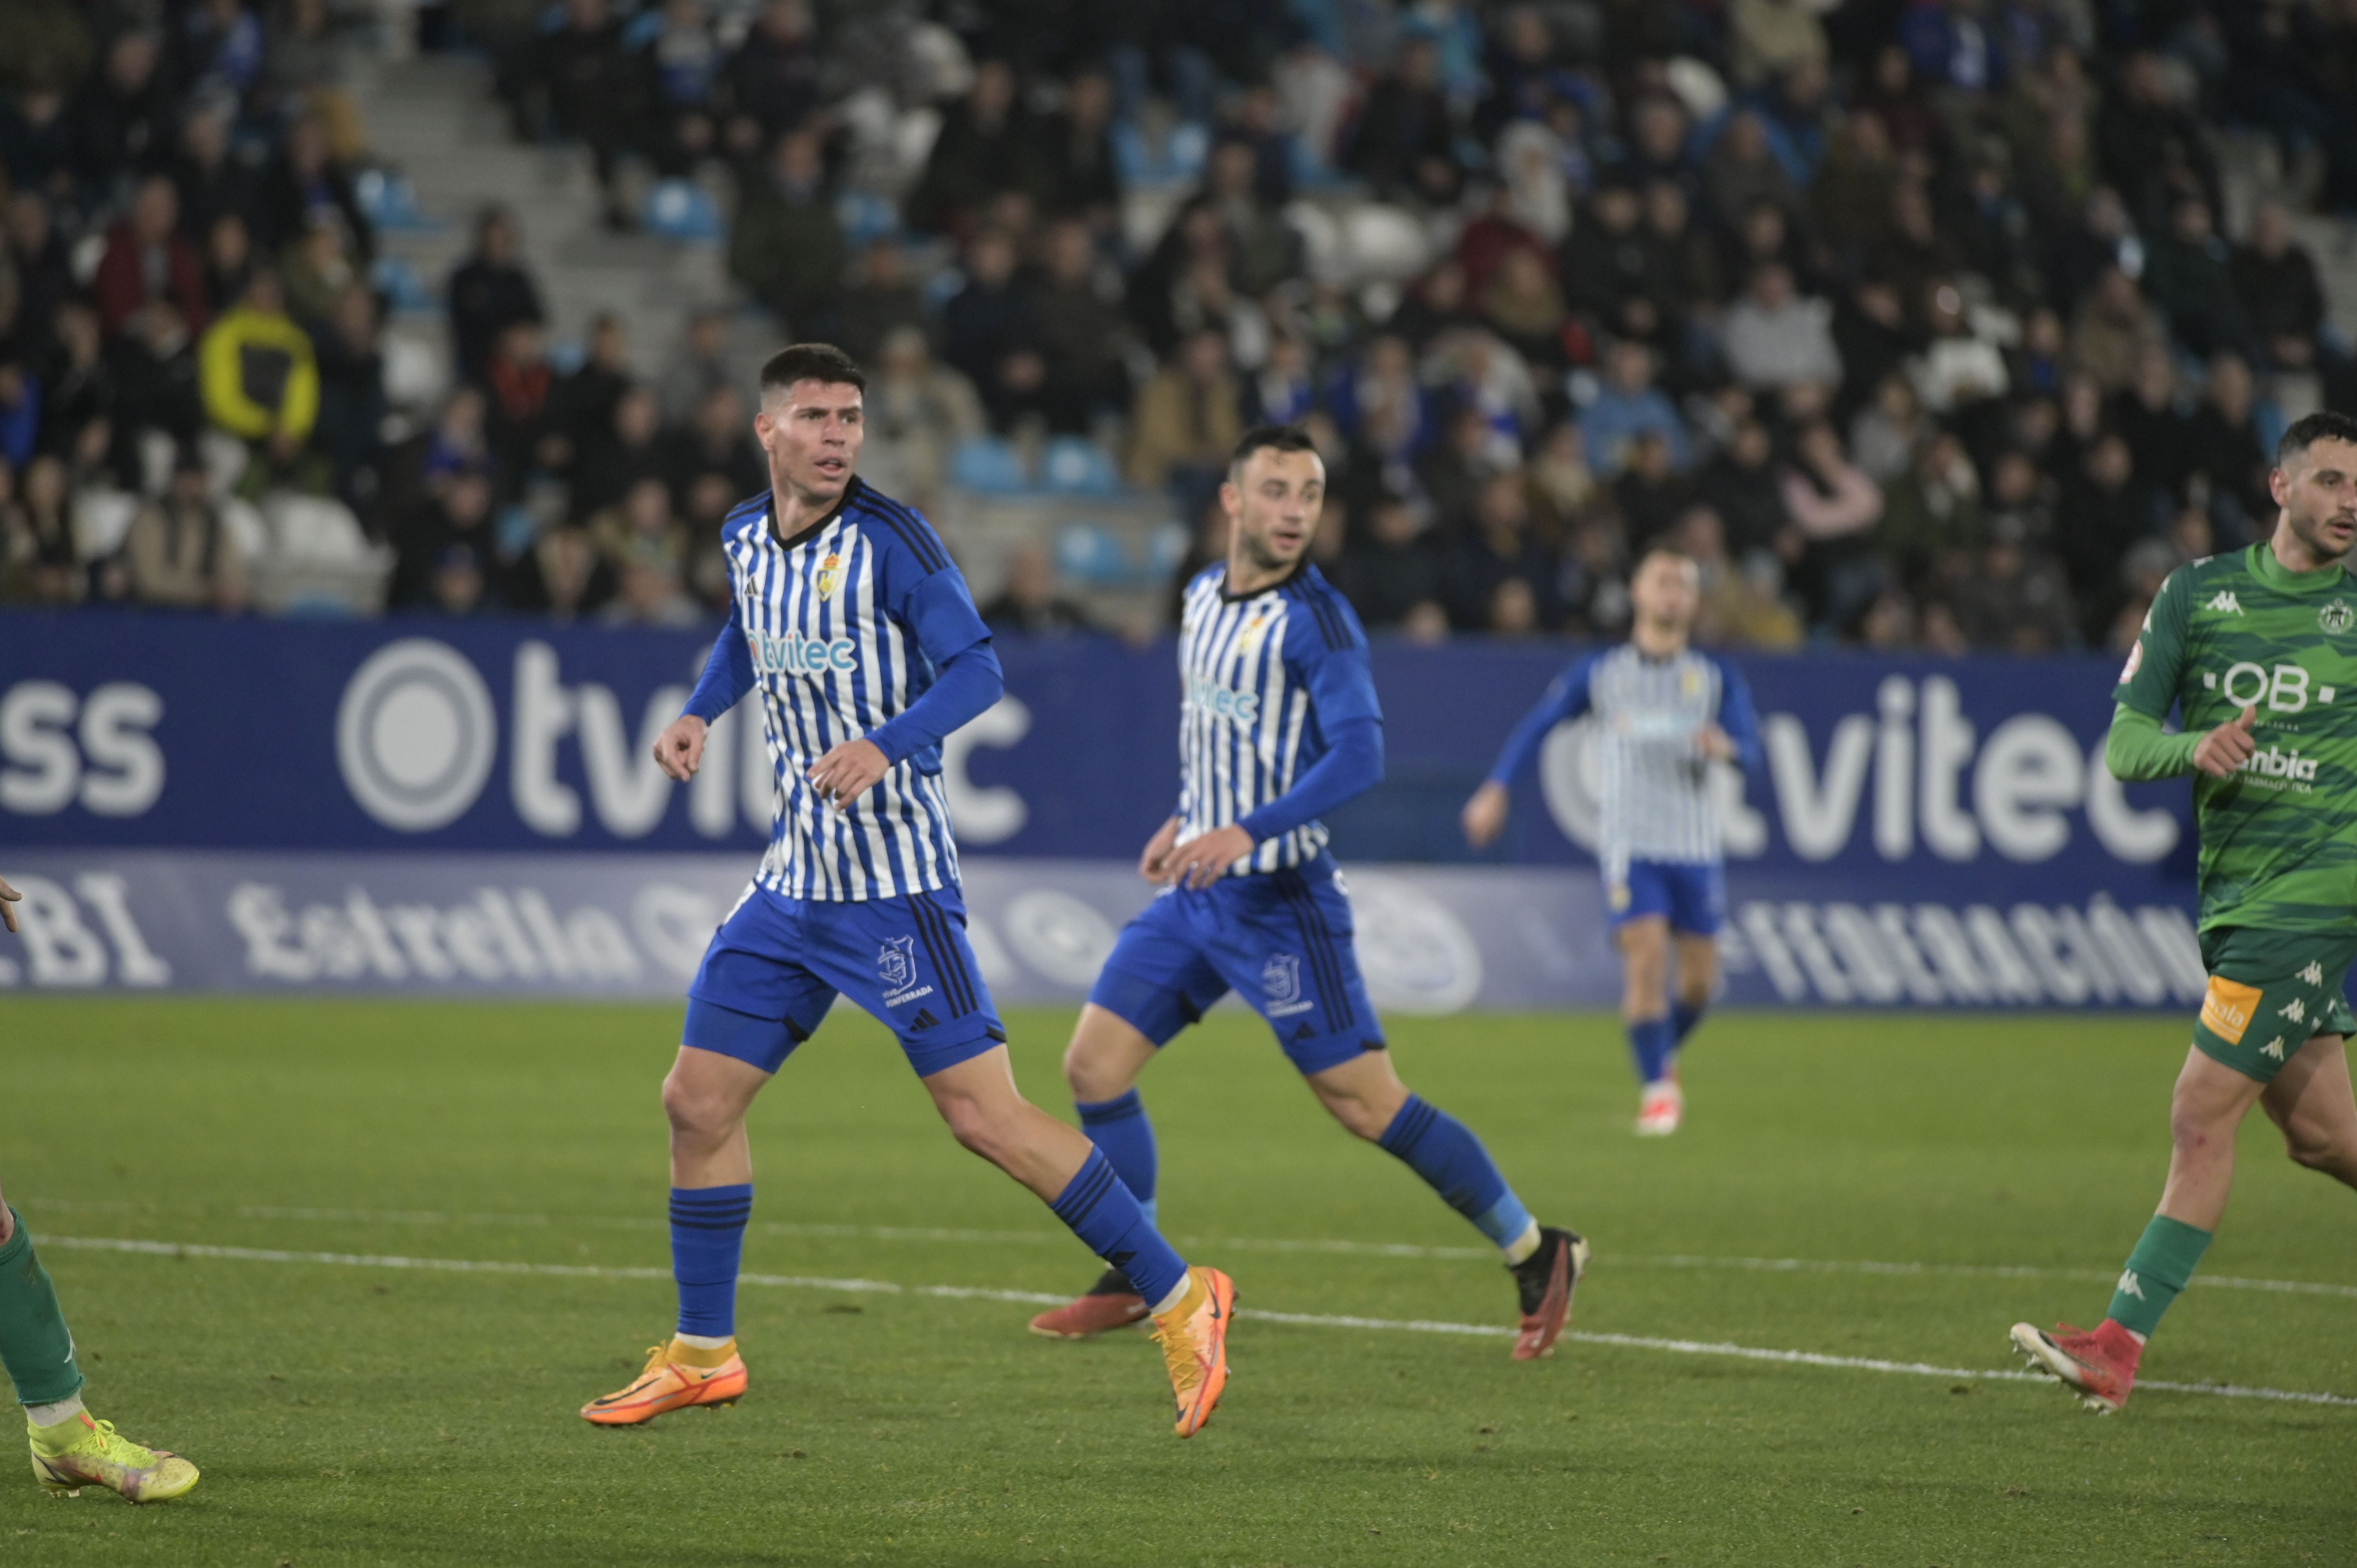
[1684, 1016]
[708, 1242]
[1445, 1153]
[1102, 1213]
[1650, 1040]
[1119, 1127]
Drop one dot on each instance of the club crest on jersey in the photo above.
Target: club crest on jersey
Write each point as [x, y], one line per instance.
[895, 961]
[2335, 617]
[830, 577]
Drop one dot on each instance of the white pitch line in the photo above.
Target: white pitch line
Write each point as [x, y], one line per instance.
[1235, 1244]
[977, 1292]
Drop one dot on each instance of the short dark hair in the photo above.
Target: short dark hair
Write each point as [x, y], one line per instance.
[1274, 437]
[2310, 429]
[812, 363]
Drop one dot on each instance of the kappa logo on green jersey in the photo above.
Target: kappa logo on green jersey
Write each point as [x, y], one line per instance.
[2223, 601]
[2335, 617]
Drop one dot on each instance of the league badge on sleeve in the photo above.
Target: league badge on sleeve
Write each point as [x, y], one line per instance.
[2135, 663]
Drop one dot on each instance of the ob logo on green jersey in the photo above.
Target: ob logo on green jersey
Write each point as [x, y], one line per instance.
[2283, 690]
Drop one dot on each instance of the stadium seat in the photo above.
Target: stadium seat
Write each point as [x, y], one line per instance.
[1165, 548]
[399, 282]
[1074, 465]
[680, 209]
[989, 465]
[101, 520]
[1087, 554]
[389, 201]
[1178, 159]
[866, 217]
[1383, 242]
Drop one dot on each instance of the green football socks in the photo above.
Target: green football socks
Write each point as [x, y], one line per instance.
[2161, 1266]
[34, 1345]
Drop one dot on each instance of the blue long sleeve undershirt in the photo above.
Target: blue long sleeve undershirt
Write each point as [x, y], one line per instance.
[1353, 763]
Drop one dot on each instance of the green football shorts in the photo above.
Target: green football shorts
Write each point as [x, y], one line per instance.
[2271, 992]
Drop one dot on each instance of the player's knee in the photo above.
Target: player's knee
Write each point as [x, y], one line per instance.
[1360, 1117]
[1087, 1074]
[694, 1113]
[2193, 1128]
[2320, 1150]
[977, 1129]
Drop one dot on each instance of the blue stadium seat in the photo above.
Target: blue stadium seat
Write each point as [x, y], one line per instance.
[1165, 548]
[679, 209]
[389, 201]
[1087, 554]
[1179, 161]
[989, 465]
[866, 217]
[1074, 465]
[399, 282]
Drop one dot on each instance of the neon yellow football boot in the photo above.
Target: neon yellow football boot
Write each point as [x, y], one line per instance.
[79, 1452]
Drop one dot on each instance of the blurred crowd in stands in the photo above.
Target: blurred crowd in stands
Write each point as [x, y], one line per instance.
[1919, 324]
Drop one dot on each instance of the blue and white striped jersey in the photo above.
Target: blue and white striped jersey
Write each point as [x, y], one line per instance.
[1656, 802]
[847, 624]
[1272, 682]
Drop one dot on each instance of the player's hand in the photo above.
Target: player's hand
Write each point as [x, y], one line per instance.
[679, 750]
[1713, 742]
[1484, 817]
[1157, 850]
[1199, 862]
[848, 771]
[2228, 747]
[8, 897]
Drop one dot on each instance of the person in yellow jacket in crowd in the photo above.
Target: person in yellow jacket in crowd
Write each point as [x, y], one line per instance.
[260, 379]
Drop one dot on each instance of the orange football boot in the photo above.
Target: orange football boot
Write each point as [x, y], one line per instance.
[669, 1383]
[1194, 1336]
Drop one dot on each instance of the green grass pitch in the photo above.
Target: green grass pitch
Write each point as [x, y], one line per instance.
[353, 1414]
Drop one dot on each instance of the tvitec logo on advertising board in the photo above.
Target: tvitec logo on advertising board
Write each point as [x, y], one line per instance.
[418, 742]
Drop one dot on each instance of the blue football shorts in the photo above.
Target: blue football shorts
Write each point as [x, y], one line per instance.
[777, 964]
[1280, 939]
[1691, 894]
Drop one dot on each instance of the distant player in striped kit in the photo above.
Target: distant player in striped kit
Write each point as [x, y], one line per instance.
[1278, 723]
[861, 646]
[1668, 713]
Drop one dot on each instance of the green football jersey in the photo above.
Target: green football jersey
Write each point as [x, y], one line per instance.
[2278, 838]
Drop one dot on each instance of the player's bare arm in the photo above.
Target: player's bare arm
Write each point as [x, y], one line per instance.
[1714, 742]
[2228, 747]
[8, 897]
[679, 750]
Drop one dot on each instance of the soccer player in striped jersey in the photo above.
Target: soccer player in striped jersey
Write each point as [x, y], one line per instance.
[70, 1448]
[1278, 723]
[1668, 713]
[860, 646]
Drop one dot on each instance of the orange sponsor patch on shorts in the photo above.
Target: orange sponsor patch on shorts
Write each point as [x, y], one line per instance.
[2227, 1008]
